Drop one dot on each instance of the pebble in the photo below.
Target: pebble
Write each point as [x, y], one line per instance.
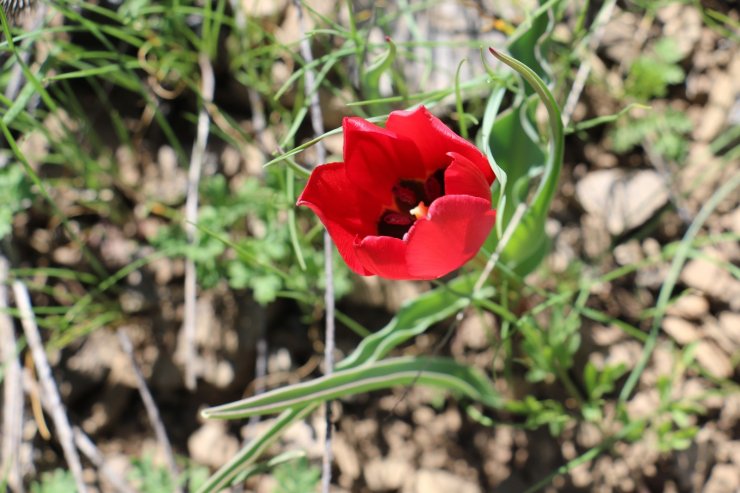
[435, 481]
[713, 359]
[690, 306]
[724, 479]
[622, 200]
[212, 445]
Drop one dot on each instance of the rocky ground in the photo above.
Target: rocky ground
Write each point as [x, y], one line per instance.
[617, 206]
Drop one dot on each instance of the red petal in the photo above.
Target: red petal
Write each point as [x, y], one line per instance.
[464, 178]
[384, 256]
[455, 230]
[377, 158]
[434, 140]
[334, 199]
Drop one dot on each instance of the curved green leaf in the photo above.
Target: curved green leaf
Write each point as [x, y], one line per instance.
[514, 150]
[443, 373]
[248, 455]
[414, 318]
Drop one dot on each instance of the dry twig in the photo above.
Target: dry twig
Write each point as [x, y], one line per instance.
[191, 218]
[48, 386]
[150, 406]
[10, 463]
[83, 442]
[317, 122]
[585, 69]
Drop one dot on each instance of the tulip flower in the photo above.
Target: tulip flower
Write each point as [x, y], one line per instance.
[409, 201]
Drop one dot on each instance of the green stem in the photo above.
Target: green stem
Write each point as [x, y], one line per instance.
[547, 187]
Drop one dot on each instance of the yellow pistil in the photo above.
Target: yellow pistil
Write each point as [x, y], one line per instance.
[419, 211]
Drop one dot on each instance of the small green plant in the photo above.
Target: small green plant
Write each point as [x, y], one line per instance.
[649, 77]
[149, 477]
[15, 195]
[298, 476]
[254, 221]
[652, 73]
[665, 131]
[57, 481]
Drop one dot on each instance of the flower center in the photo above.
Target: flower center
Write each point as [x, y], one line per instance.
[412, 201]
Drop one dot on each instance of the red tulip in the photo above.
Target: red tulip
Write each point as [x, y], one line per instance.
[410, 201]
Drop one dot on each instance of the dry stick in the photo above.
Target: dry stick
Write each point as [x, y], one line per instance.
[48, 386]
[150, 406]
[317, 122]
[493, 260]
[191, 217]
[583, 71]
[83, 442]
[10, 463]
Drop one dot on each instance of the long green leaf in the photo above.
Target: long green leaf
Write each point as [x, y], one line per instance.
[414, 318]
[435, 372]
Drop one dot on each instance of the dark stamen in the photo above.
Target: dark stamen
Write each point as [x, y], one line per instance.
[407, 195]
[403, 195]
[434, 186]
[397, 219]
[394, 224]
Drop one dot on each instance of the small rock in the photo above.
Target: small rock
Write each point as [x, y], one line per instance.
[627, 352]
[212, 445]
[474, 333]
[597, 156]
[132, 301]
[680, 330]
[622, 200]
[628, 253]
[730, 416]
[683, 24]
[724, 479]
[387, 473]
[712, 279]
[712, 121]
[618, 38]
[729, 451]
[606, 335]
[347, 461]
[434, 481]
[290, 31]
[713, 330]
[723, 93]
[67, 255]
[729, 323]
[713, 359]
[690, 306]
[643, 404]
[119, 464]
[262, 8]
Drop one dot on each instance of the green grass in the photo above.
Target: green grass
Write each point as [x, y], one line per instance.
[127, 80]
